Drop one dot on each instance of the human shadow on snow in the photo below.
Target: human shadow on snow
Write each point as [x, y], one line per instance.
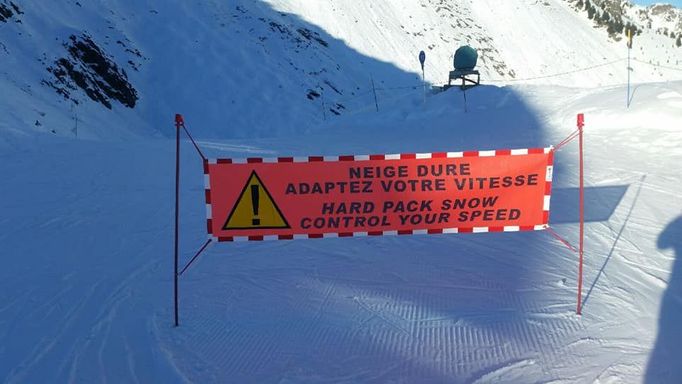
[664, 363]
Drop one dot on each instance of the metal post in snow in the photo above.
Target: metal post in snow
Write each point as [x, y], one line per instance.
[581, 123]
[424, 84]
[74, 111]
[464, 92]
[422, 60]
[628, 100]
[629, 49]
[178, 123]
[376, 103]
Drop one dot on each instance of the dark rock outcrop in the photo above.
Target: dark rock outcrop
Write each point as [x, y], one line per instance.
[9, 10]
[89, 68]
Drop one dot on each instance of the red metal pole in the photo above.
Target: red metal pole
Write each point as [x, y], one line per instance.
[581, 123]
[179, 122]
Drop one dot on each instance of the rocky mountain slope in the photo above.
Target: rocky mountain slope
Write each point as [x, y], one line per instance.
[115, 69]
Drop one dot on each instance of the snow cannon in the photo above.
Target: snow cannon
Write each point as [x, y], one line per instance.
[465, 58]
[465, 62]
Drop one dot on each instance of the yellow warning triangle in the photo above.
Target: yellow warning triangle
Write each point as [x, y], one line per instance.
[255, 208]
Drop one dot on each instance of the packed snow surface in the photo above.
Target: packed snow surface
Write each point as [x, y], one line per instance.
[86, 207]
[87, 276]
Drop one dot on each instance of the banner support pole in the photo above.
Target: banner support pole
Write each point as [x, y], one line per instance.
[581, 123]
[178, 124]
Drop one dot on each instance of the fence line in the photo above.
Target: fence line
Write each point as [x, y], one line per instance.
[679, 69]
[417, 85]
[584, 69]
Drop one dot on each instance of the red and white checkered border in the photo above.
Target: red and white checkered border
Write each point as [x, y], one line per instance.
[395, 156]
[399, 156]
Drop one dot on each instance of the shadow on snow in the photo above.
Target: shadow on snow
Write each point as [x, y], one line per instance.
[427, 309]
[664, 363]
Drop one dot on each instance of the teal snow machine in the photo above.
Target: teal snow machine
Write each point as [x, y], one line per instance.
[465, 62]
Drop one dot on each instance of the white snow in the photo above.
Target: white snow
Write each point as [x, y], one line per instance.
[86, 223]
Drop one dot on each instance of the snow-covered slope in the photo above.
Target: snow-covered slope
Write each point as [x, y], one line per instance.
[86, 287]
[234, 67]
[86, 225]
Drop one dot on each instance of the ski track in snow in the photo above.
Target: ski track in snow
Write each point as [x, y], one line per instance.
[86, 226]
[83, 298]
[476, 308]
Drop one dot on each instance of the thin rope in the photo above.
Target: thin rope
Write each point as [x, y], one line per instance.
[657, 65]
[194, 142]
[556, 74]
[561, 239]
[567, 139]
[196, 255]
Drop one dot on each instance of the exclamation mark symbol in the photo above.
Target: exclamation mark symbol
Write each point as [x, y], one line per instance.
[254, 204]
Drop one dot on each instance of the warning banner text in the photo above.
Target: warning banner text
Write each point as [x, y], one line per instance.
[379, 194]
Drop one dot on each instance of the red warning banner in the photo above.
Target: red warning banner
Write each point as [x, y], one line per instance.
[313, 197]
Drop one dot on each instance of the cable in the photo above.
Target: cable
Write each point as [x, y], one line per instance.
[583, 69]
[556, 74]
[658, 65]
